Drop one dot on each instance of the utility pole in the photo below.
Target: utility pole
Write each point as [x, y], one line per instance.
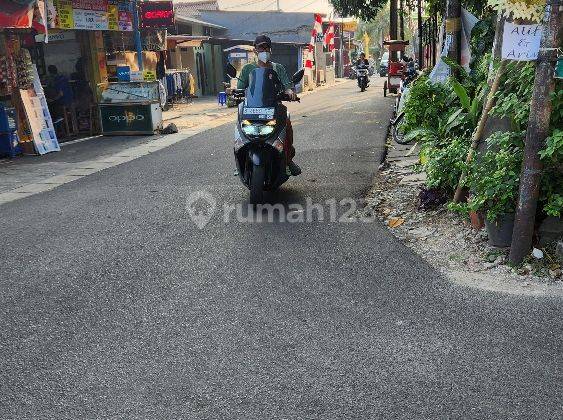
[402, 19]
[393, 27]
[453, 30]
[420, 43]
[538, 126]
[137, 35]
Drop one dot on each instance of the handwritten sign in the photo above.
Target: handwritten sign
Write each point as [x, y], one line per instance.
[521, 42]
[64, 14]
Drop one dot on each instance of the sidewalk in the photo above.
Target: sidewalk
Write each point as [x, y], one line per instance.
[419, 217]
[27, 175]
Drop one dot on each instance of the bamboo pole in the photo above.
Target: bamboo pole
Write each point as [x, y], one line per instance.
[476, 138]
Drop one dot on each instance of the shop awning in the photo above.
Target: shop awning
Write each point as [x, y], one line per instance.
[185, 40]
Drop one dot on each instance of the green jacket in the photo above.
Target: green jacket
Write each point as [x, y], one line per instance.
[247, 69]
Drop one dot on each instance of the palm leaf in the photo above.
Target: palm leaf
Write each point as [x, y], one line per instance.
[461, 93]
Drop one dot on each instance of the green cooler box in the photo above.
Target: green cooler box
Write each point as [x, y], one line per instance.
[130, 108]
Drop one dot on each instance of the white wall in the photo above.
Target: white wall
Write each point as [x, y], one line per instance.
[62, 54]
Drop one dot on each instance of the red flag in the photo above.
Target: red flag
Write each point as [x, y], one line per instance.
[329, 37]
[317, 29]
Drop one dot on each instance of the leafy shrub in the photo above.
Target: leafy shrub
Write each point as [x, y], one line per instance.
[515, 93]
[552, 179]
[444, 165]
[427, 103]
[494, 176]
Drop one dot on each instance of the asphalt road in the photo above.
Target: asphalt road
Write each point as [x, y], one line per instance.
[115, 304]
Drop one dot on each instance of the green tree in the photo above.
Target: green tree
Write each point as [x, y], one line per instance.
[365, 10]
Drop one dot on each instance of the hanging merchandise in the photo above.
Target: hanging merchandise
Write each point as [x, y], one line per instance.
[38, 117]
[8, 72]
[24, 69]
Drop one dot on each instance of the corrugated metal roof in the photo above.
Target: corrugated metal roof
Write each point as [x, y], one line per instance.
[193, 8]
[279, 26]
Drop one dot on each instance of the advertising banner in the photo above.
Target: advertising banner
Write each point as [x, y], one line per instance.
[93, 15]
[126, 118]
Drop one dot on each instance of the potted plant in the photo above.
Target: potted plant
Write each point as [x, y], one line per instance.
[493, 180]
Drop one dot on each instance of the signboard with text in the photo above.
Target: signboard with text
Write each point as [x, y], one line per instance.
[156, 14]
[521, 42]
[94, 15]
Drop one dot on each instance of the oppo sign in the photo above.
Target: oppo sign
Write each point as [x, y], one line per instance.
[128, 118]
[156, 14]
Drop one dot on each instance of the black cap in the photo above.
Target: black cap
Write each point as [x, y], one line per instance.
[263, 39]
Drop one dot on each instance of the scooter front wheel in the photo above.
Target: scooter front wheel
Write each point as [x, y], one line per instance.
[257, 184]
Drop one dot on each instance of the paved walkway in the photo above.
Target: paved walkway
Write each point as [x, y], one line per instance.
[28, 175]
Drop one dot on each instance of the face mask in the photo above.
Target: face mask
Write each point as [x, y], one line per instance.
[264, 56]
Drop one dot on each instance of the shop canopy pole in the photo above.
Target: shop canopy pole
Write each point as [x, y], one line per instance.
[137, 35]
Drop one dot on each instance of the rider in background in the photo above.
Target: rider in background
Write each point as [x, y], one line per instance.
[362, 60]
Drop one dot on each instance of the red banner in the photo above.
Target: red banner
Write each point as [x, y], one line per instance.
[16, 15]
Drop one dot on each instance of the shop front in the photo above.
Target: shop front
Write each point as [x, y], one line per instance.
[26, 124]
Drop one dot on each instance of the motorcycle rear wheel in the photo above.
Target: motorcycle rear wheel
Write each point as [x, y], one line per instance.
[257, 184]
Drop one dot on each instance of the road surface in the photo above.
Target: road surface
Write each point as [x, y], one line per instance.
[115, 304]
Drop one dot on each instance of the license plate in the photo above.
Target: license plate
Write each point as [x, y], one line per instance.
[395, 81]
[260, 112]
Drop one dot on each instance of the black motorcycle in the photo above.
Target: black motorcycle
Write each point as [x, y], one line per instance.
[260, 132]
[362, 76]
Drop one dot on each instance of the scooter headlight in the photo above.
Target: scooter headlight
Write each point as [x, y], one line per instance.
[258, 130]
[266, 130]
[251, 130]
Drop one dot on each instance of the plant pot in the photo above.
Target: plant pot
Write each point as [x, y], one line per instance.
[477, 220]
[500, 231]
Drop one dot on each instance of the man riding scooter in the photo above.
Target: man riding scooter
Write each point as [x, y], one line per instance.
[362, 65]
[263, 49]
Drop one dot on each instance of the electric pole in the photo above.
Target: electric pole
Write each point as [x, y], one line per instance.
[420, 43]
[393, 27]
[538, 127]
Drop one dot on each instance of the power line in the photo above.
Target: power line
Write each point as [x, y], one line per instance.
[243, 4]
[304, 6]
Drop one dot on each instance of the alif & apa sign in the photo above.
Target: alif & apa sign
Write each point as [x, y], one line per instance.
[521, 42]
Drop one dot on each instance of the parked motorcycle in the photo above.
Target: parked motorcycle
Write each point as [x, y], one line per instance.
[260, 132]
[362, 76]
[234, 96]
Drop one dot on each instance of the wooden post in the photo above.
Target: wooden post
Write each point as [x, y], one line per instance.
[453, 29]
[420, 43]
[393, 27]
[538, 127]
[402, 19]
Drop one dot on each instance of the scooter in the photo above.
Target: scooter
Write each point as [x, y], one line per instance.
[363, 77]
[260, 132]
